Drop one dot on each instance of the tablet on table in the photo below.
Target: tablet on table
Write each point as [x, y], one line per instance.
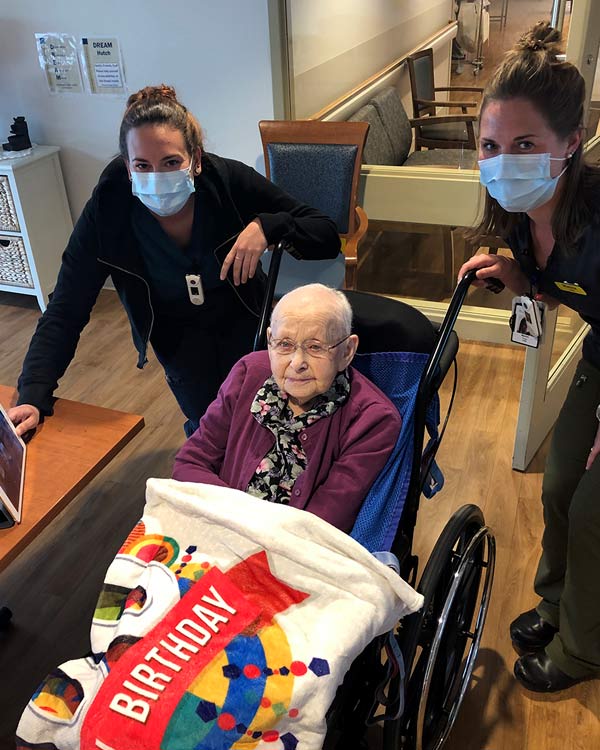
[12, 471]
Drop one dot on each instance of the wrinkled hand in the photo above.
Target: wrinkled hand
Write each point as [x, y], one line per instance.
[497, 267]
[25, 417]
[245, 254]
[595, 450]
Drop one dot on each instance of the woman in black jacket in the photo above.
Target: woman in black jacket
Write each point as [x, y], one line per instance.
[180, 232]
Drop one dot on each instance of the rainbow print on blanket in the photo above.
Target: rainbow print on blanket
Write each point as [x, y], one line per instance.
[214, 640]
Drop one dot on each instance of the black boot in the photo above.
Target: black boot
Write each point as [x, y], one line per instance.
[530, 632]
[539, 673]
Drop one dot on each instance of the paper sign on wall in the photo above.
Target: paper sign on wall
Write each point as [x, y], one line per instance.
[57, 54]
[102, 60]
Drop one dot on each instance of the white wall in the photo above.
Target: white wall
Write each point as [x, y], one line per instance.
[596, 87]
[215, 54]
[323, 29]
[336, 44]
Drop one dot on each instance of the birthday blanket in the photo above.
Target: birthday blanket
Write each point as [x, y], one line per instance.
[224, 622]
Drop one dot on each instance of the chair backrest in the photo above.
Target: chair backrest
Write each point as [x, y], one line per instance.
[318, 163]
[420, 70]
[390, 132]
[378, 148]
[395, 120]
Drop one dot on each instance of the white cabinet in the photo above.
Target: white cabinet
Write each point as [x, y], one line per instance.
[35, 223]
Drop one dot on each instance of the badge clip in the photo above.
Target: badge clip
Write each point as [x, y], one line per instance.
[194, 287]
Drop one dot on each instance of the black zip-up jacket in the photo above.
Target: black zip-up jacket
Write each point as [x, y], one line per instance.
[103, 244]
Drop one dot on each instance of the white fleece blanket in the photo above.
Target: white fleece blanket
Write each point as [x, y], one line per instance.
[223, 622]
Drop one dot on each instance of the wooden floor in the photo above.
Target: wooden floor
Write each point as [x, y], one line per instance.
[52, 587]
[522, 15]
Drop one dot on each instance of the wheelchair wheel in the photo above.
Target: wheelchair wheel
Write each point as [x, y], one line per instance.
[441, 641]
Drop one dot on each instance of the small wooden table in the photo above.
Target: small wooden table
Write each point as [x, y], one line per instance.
[67, 451]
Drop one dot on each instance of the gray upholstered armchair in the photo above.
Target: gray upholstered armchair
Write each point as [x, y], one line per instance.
[391, 133]
[319, 164]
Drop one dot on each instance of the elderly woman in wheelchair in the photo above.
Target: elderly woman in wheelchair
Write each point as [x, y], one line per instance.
[297, 425]
[224, 620]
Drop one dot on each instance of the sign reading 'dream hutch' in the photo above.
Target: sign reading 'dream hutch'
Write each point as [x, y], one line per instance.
[102, 60]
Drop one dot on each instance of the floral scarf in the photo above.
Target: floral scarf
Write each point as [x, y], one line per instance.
[276, 474]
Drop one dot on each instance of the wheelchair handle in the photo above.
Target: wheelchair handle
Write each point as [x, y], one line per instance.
[447, 326]
[260, 340]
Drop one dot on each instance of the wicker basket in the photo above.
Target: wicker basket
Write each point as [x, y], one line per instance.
[14, 266]
[8, 215]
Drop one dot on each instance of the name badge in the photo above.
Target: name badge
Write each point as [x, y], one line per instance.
[526, 321]
[570, 286]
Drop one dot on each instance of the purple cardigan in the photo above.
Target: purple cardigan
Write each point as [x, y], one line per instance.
[345, 451]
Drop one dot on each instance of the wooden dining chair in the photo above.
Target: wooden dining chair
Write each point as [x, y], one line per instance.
[457, 130]
[319, 164]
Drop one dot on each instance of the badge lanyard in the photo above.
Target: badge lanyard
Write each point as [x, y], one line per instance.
[526, 321]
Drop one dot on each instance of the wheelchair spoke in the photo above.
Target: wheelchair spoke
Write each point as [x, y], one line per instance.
[455, 645]
[440, 643]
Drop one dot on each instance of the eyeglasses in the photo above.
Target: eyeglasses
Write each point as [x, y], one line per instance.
[311, 347]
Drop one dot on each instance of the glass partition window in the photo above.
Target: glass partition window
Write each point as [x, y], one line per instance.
[421, 262]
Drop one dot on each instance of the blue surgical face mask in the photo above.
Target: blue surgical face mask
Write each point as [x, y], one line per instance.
[164, 193]
[519, 182]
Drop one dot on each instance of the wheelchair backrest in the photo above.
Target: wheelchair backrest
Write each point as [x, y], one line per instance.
[395, 341]
[388, 325]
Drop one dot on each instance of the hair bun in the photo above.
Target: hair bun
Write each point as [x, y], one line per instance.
[153, 92]
[541, 37]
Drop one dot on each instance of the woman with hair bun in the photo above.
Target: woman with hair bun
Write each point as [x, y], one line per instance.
[544, 201]
[181, 232]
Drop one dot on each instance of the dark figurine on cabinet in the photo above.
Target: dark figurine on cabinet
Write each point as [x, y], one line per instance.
[19, 141]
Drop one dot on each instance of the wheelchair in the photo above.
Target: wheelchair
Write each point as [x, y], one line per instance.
[416, 690]
[436, 647]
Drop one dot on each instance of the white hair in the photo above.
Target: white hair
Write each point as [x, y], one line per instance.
[342, 311]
